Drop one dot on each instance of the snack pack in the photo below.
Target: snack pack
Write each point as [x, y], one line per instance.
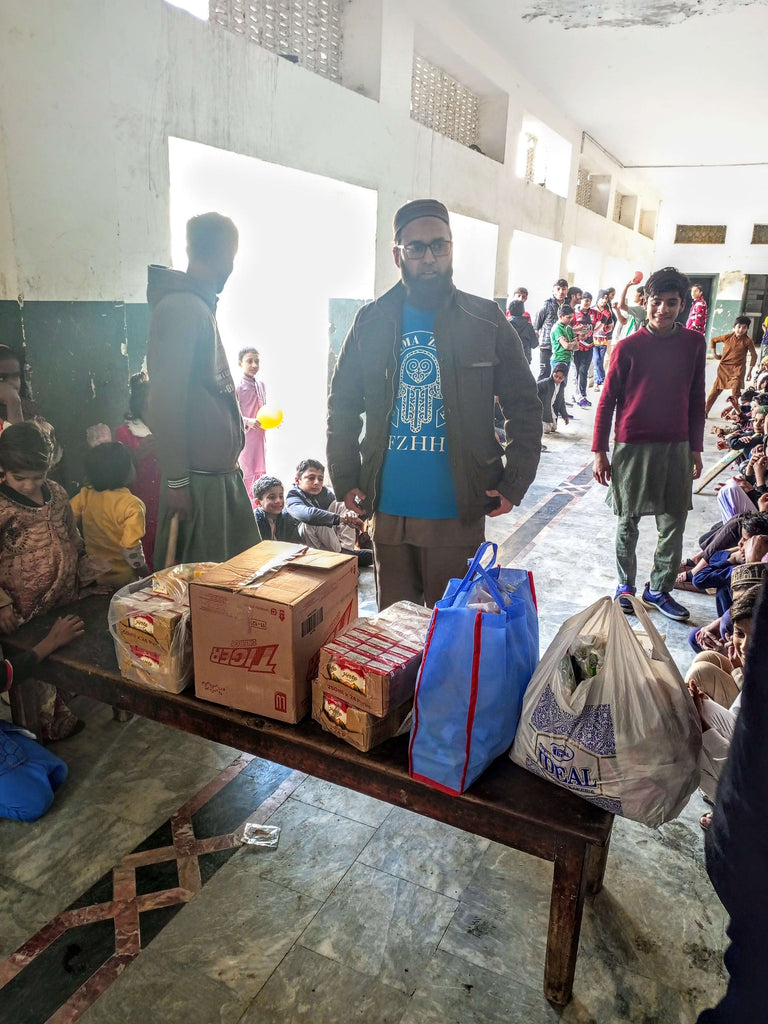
[149, 623]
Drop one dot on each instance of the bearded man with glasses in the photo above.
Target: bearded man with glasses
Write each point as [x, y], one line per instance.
[411, 416]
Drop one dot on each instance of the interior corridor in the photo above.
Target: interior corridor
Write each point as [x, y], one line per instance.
[364, 911]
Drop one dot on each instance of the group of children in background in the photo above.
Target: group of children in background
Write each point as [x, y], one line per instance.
[730, 564]
[309, 513]
[54, 550]
[572, 332]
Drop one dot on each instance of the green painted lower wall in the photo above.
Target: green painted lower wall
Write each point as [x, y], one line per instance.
[723, 315]
[80, 355]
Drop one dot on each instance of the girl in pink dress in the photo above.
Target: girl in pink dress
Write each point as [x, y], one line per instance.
[251, 396]
[136, 436]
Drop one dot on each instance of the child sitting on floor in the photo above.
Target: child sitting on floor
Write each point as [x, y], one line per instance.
[274, 522]
[113, 519]
[324, 522]
[42, 556]
[29, 774]
[718, 720]
[552, 397]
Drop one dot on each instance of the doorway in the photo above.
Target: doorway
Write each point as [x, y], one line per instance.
[756, 304]
[305, 240]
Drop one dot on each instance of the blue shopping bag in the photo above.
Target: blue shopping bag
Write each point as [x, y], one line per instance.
[476, 666]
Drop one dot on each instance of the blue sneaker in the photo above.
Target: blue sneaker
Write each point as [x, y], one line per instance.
[664, 603]
[626, 606]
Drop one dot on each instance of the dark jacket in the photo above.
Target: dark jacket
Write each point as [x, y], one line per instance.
[193, 409]
[736, 843]
[546, 319]
[546, 389]
[526, 334]
[286, 527]
[479, 356]
[312, 508]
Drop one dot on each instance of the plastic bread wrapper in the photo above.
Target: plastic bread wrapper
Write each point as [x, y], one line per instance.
[174, 581]
[255, 835]
[151, 635]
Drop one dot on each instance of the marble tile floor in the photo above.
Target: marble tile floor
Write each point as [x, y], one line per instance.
[364, 911]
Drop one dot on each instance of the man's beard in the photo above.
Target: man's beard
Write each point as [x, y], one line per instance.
[426, 293]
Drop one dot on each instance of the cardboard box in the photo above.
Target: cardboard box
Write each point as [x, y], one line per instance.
[259, 621]
[359, 728]
[373, 665]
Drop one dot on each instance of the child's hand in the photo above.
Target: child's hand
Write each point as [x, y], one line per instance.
[8, 619]
[708, 639]
[62, 632]
[732, 656]
[352, 519]
[698, 697]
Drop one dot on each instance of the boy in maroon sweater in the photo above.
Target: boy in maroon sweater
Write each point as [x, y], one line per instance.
[655, 386]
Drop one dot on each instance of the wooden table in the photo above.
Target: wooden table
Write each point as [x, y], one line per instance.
[507, 804]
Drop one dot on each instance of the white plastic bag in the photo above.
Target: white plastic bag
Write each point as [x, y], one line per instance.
[151, 633]
[628, 738]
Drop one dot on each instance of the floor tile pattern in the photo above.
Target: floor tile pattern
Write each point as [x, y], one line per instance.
[62, 969]
[364, 911]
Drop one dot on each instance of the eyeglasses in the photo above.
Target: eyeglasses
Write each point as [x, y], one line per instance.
[418, 250]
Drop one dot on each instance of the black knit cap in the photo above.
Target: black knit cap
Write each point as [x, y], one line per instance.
[419, 208]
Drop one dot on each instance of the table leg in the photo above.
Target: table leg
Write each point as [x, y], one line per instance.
[26, 701]
[598, 858]
[569, 884]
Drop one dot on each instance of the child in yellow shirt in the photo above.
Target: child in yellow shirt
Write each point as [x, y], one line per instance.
[112, 519]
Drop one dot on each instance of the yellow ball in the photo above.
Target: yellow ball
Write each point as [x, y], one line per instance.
[269, 417]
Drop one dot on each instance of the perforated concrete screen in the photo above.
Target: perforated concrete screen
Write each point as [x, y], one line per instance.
[441, 103]
[306, 31]
[700, 234]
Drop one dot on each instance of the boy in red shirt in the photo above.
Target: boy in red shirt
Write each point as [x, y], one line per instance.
[655, 386]
[583, 324]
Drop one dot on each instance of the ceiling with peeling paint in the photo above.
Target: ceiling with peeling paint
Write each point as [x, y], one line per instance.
[655, 82]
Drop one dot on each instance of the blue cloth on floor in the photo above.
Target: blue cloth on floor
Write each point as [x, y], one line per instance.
[29, 775]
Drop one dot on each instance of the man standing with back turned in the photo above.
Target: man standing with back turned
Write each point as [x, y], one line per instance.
[424, 363]
[193, 409]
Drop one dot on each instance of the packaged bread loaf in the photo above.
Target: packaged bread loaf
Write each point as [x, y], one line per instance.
[149, 622]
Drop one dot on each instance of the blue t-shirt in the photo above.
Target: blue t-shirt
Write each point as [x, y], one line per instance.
[416, 479]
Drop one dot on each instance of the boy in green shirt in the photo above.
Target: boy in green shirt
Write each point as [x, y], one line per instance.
[563, 339]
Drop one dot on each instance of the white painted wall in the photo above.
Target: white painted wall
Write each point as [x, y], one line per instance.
[90, 93]
[734, 196]
[304, 238]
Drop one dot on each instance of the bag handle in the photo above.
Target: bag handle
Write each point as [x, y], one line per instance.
[476, 568]
[659, 647]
